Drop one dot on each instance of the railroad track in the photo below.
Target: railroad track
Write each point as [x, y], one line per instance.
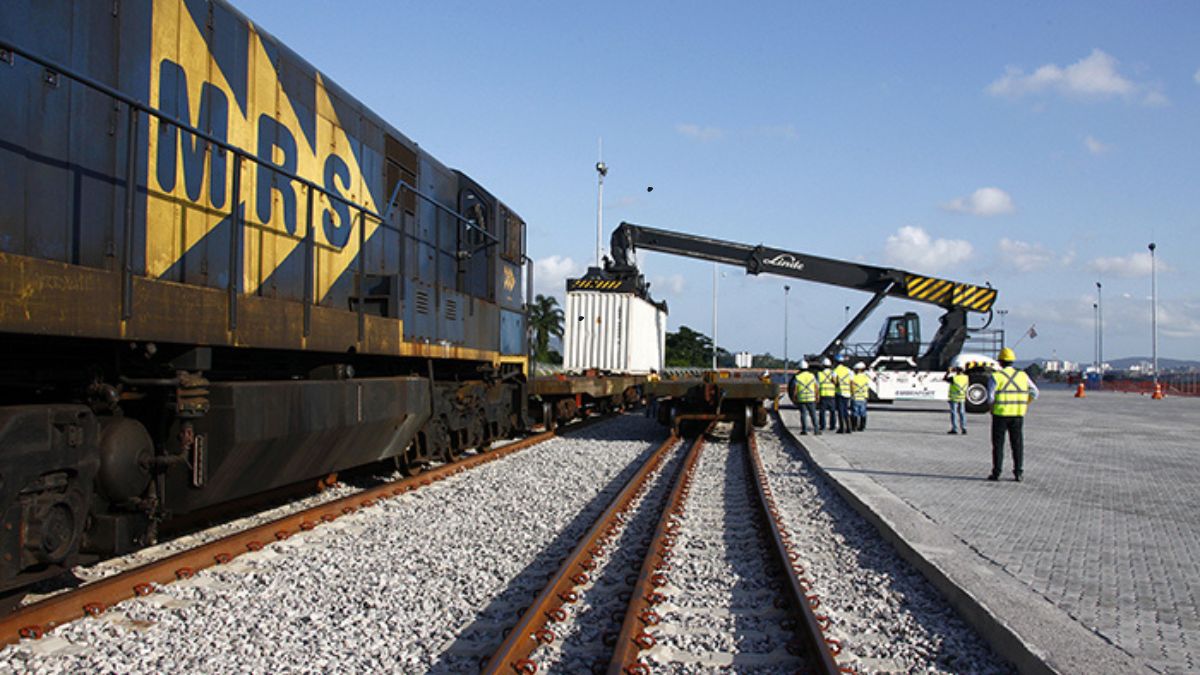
[94, 598]
[436, 581]
[676, 610]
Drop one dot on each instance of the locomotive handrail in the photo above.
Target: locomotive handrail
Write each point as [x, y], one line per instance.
[237, 151]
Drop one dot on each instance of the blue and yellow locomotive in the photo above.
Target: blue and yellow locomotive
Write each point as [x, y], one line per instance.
[220, 274]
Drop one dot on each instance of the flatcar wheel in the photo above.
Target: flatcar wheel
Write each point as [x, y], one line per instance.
[548, 416]
[747, 420]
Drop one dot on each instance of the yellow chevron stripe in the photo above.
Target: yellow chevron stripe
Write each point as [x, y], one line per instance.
[966, 295]
[939, 290]
[917, 285]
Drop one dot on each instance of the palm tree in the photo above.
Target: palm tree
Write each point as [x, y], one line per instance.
[545, 319]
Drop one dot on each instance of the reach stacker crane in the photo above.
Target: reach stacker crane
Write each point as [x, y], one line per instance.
[900, 371]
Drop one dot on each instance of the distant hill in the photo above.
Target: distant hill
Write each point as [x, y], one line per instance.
[1163, 363]
[1129, 361]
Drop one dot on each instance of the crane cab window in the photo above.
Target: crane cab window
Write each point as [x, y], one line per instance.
[902, 335]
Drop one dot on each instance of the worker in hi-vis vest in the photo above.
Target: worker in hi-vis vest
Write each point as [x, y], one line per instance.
[860, 391]
[828, 392]
[958, 400]
[842, 376]
[1009, 392]
[807, 390]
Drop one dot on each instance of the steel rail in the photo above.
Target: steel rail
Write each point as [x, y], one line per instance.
[532, 630]
[640, 615]
[34, 620]
[809, 628]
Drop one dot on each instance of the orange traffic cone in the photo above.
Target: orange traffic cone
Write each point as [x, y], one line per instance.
[1079, 392]
[1158, 392]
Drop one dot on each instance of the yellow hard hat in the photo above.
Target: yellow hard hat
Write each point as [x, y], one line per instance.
[1007, 354]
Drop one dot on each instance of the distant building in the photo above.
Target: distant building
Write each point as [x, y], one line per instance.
[1060, 367]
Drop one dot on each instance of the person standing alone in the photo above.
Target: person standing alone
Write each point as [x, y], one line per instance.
[1009, 392]
[958, 400]
[806, 398]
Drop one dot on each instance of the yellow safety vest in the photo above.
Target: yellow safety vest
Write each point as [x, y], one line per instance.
[1012, 392]
[828, 388]
[806, 387]
[842, 375]
[958, 388]
[860, 387]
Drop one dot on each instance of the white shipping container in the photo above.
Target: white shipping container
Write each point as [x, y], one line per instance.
[618, 332]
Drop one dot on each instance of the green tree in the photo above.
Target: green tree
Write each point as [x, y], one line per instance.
[688, 349]
[545, 319]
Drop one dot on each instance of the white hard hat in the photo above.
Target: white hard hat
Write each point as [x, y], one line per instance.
[826, 362]
[803, 364]
[860, 366]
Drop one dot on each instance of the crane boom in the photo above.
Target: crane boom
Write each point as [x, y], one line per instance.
[759, 259]
[955, 297]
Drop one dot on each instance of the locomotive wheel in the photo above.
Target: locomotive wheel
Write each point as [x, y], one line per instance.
[407, 461]
[747, 420]
[548, 416]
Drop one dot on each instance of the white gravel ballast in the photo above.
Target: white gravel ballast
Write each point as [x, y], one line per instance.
[887, 616]
[425, 581]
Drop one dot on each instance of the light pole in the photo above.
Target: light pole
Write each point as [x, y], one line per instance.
[601, 172]
[714, 342]
[786, 289]
[1154, 311]
[1096, 336]
[1099, 331]
[1003, 335]
[846, 316]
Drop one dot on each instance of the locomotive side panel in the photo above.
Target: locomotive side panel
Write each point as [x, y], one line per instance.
[235, 289]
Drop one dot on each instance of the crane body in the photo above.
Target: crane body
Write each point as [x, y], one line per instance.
[900, 369]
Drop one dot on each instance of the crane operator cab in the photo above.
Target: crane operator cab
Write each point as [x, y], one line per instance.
[901, 336]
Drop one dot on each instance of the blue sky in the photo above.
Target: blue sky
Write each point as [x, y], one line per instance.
[1036, 146]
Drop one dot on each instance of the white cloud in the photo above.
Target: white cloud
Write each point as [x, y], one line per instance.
[1095, 146]
[699, 133]
[1179, 319]
[1094, 76]
[673, 284]
[1132, 265]
[912, 247]
[1024, 256]
[986, 201]
[550, 275]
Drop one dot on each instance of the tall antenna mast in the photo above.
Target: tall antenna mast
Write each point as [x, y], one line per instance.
[601, 172]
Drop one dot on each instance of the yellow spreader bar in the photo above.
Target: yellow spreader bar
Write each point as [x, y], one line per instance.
[949, 293]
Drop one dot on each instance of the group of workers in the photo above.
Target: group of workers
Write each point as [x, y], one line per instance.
[837, 391]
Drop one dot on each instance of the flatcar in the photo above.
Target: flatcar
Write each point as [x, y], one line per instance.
[221, 274]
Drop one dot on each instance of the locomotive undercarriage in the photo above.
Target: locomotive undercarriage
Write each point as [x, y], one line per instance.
[92, 467]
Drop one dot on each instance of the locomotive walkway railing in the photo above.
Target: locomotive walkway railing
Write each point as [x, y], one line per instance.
[135, 107]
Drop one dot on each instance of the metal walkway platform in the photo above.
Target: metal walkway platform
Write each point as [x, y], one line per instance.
[1092, 564]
